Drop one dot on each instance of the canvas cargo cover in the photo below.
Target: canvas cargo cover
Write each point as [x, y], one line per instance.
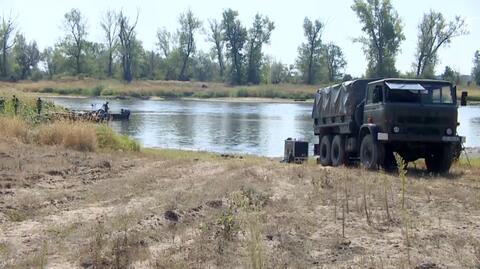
[338, 100]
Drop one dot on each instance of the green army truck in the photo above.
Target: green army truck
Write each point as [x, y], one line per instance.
[370, 119]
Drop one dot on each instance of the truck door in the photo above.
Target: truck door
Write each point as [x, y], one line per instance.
[374, 104]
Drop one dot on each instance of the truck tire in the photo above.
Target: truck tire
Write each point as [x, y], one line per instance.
[338, 151]
[439, 159]
[369, 153]
[325, 150]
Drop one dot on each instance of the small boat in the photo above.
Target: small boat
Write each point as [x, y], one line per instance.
[123, 115]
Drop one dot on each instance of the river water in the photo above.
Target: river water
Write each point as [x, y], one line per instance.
[227, 127]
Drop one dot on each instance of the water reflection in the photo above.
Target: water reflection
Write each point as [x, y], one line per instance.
[252, 128]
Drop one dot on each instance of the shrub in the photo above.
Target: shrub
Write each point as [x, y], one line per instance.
[108, 139]
[97, 91]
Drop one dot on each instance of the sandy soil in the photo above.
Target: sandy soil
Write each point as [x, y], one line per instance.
[69, 209]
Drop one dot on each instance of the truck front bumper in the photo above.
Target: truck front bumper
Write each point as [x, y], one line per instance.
[387, 137]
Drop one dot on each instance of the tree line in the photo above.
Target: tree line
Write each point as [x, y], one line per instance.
[236, 55]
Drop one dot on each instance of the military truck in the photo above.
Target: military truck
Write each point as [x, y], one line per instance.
[370, 119]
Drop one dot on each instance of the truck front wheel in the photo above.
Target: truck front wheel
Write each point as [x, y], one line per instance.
[338, 150]
[325, 150]
[369, 153]
[439, 159]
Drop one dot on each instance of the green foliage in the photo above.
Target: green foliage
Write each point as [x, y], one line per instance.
[451, 75]
[108, 139]
[228, 224]
[434, 32]
[26, 54]
[384, 33]
[309, 53]
[75, 26]
[128, 44]
[189, 24]
[476, 67]
[27, 109]
[258, 35]
[235, 36]
[334, 60]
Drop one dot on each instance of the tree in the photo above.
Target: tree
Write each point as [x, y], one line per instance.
[204, 68]
[476, 67]
[75, 27]
[335, 61]
[383, 29]
[7, 29]
[235, 36]
[216, 37]
[279, 73]
[53, 59]
[26, 55]
[166, 42]
[451, 75]
[127, 39]
[310, 52]
[258, 35]
[188, 26]
[109, 24]
[434, 32]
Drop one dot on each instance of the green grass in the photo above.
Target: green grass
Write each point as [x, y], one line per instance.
[109, 139]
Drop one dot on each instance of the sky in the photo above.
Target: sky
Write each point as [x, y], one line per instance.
[41, 20]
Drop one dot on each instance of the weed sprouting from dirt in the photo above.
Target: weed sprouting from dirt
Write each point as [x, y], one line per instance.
[228, 224]
[402, 172]
[255, 246]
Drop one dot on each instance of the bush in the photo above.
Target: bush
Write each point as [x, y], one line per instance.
[108, 139]
[97, 91]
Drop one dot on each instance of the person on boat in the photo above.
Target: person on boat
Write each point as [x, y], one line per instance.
[105, 107]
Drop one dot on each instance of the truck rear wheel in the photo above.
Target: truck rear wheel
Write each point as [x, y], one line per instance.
[325, 150]
[369, 153]
[439, 159]
[338, 150]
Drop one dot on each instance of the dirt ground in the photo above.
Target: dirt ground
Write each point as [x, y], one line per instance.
[67, 209]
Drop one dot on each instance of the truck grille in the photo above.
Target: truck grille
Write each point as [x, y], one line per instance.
[423, 131]
[423, 120]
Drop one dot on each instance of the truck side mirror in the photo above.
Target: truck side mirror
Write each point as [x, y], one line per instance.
[463, 98]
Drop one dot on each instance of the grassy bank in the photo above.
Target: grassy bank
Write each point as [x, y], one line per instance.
[163, 89]
[28, 126]
[473, 92]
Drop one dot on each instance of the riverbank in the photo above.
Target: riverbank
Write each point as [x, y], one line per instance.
[63, 208]
[162, 89]
[146, 89]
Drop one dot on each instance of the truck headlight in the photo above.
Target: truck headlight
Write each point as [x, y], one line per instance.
[449, 131]
[396, 129]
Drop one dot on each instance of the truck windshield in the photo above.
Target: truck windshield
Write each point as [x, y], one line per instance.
[428, 93]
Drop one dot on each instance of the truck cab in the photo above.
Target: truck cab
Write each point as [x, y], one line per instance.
[413, 118]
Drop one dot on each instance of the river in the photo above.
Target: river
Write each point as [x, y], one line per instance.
[227, 127]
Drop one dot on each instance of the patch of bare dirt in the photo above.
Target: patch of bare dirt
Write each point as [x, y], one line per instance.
[62, 209]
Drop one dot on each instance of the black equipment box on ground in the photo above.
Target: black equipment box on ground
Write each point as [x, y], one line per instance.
[295, 151]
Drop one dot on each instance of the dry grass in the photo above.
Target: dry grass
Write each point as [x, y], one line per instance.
[167, 89]
[174, 209]
[473, 92]
[14, 127]
[75, 135]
